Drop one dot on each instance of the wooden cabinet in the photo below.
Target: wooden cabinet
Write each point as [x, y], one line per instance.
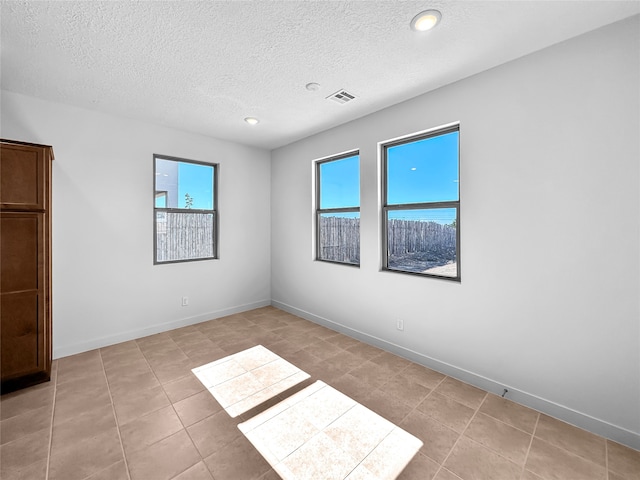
[25, 264]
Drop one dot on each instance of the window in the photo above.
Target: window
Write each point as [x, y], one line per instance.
[185, 216]
[421, 204]
[338, 209]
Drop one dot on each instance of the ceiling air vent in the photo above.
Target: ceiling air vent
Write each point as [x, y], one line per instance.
[341, 96]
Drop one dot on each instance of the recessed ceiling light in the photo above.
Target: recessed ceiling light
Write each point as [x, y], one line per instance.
[425, 20]
[252, 120]
[312, 87]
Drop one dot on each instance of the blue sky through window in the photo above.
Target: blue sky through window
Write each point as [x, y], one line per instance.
[423, 171]
[197, 181]
[340, 183]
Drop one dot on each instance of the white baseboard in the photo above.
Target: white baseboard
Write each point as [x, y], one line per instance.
[566, 414]
[66, 350]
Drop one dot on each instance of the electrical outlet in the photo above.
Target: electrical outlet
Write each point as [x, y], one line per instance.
[400, 324]
[185, 301]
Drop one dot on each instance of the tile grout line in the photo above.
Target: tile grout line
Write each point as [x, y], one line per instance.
[175, 412]
[606, 458]
[416, 408]
[115, 416]
[462, 434]
[526, 457]
[53, 411]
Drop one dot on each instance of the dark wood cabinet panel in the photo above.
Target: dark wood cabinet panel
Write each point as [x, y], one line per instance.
[25, 264]
[22, 346]
[21, 250]
[22, 177]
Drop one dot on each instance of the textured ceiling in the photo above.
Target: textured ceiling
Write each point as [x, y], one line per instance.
[202, 66]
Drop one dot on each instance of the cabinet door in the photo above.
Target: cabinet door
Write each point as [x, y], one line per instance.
[23, 292]
[22, 177]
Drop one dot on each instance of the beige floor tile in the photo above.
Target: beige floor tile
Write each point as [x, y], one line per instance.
[437, 438]
[358, 431]
[318, 458]
[326, 371]
[196, 407]
[471, 461]
[301, 359]
[86, 446]
[352, 386]
[118, 349]
[157, 340]
[345, 360]
[301, 338]
[182, 388]
[237, 346]
[83, 361]
[283, 435]
[343, 341]
[197, 345]
[80, 369]
[573, 439]
[421, 467]
[615, 476]
[187, 338]
[119, 384]
[527, 475]
[364, 351]
[22, 453]
[445, 474]
[165, 459]
[392, 455]
[270, 475]
[284, 348]
[121, 358]
[224, 464]
[372, 374]
[149, 429]
[408, 391]
[127, 369]
[82, 459]
[323, 332]
[132, 405]
[387, 405]
[391, 362]
[116, 471]
[446, 410]
[510, 412]
[95, 384]
[322, 349]
[79, 372]
[33, 471]
[164, 355]
[206, 356]
[623, 461]
[554, 463]
[22, 401]
[25, 424]
[82, 427]
[73, 405]
[216, 373]
[423, 375]
[503, 439]
[461, 392]
[198, 472]
[213, 433]
[172, 371]
[72, 402]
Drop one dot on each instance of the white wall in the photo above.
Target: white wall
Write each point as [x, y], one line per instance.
[548, 306]
[105, 286]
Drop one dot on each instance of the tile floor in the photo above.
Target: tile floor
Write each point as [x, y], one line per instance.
[135, 411]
